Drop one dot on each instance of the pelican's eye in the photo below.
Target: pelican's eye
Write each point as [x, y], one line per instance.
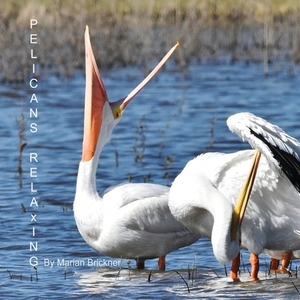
[117, 108]
[117, 112]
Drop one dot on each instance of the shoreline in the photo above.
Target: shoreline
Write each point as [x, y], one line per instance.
[131, 33]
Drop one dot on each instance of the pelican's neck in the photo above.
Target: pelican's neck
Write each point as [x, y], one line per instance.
[211, 199]
[86, 178]
[225, 249]
[192, 195]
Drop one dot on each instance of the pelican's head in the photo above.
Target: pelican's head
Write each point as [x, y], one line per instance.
[100, 114]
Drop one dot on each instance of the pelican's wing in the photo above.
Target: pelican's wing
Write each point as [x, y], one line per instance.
[139, 213]
[144, 206]
[281, 150]
[127, 192]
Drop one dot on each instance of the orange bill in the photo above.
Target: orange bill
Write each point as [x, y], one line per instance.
[240, 207]
[96, 97]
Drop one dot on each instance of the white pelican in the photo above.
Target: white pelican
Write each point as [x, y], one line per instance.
[203, 195]
[132, 220]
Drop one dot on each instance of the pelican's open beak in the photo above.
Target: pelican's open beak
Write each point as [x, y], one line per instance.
[96, 96]
[118, 106]
[240, 207]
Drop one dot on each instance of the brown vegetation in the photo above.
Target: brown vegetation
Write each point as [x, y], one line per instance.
[134, 32]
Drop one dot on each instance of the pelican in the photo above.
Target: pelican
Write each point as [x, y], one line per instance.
[131, 220]
[206, 196]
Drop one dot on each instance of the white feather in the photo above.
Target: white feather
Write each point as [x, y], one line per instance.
[211, 183]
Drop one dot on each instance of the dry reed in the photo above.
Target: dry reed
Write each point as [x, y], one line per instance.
[134, 32]
[22, 144]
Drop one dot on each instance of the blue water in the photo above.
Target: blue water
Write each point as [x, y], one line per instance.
[176, 117]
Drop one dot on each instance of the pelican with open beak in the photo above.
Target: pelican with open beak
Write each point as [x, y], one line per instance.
[132, 220]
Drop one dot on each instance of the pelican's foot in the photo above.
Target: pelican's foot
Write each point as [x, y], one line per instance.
[234, 277]
[255, 280]
[284, 271]
[280, 271]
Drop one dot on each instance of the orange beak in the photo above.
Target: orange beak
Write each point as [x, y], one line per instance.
[96, 96]
[241, 205]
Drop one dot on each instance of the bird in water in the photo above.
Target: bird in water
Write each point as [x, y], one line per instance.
[208, 198]
[131, 220]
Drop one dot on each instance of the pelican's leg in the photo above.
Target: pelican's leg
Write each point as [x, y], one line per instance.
[140, 264]
[254, 260]
[286, 258]
[235, 266]
[162, 263]
[274, 264]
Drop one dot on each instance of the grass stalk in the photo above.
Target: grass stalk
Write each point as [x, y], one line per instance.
[133, 32]
[22, 143]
